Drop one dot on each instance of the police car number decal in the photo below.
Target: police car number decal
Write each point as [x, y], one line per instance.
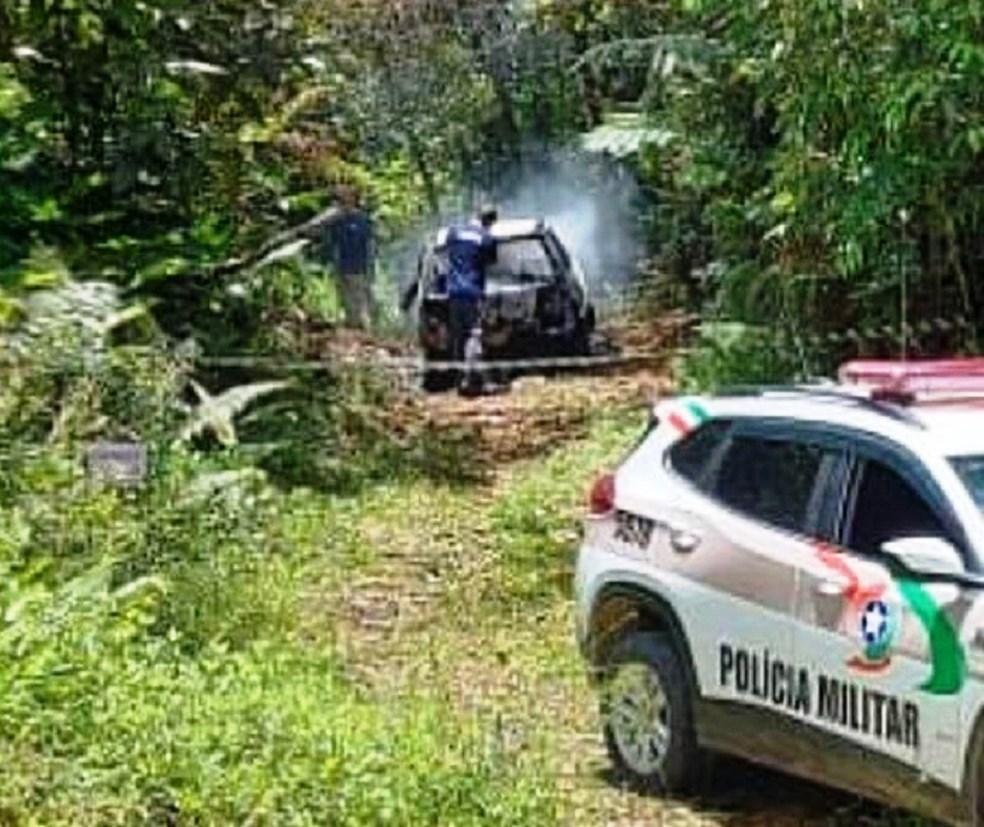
[634, 529]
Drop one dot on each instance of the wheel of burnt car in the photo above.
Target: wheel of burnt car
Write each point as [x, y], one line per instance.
[436, 381]
[648, 717]
[581, 340]
[579, 343]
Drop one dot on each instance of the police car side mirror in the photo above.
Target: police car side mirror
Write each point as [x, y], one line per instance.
[926, 555]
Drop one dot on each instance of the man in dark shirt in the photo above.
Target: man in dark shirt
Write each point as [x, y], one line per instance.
[471, 249]
[349, 247]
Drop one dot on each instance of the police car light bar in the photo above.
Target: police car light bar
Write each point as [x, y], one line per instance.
[907, 382]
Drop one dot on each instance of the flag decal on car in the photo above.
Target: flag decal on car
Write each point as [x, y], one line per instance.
[946, 652]
[688, 416]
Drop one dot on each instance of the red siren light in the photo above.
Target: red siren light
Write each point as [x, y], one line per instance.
[902, 382]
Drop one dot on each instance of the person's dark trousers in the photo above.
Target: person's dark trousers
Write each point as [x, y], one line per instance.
[357, 300]
[463, 316]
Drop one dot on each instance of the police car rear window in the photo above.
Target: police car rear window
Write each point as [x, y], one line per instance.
[690, 456]
[770, 480]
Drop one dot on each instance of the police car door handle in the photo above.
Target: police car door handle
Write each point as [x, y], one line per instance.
[683, 542]
[831, 588]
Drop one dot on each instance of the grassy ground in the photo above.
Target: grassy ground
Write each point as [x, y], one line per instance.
[465, 598]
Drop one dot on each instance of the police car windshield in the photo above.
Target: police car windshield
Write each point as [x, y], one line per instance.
[971, 471]
[522, 259]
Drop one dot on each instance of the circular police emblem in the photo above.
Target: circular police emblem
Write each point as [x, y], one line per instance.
[877, 629]
[874, 623]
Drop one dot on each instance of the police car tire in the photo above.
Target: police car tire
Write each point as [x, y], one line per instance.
[975, 781]
[683, 759]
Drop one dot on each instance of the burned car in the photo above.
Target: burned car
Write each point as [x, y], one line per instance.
[536, 302]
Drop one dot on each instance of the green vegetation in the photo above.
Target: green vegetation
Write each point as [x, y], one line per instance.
[814, 165]
[818, 163]
[173, 653]
[268, 735]
[531, 529]
[159, 145]
[728, 354]
[151, 656]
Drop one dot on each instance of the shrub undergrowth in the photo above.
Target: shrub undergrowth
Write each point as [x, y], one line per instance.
[151, 665]
[728, 354]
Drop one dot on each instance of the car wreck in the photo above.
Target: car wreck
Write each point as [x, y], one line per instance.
[537, 302]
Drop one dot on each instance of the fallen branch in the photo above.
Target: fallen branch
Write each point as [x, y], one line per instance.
[308, 230]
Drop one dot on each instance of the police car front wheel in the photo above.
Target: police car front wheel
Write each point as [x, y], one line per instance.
[647, 715]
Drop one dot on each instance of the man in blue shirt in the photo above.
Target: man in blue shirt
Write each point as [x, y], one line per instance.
[349, 247]
[471, 249]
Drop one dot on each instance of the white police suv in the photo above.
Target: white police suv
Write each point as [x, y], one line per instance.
[796, 576]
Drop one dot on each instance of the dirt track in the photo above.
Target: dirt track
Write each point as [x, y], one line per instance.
[537, 411]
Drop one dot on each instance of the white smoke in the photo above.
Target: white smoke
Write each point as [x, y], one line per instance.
[593, 204]
[593, 207]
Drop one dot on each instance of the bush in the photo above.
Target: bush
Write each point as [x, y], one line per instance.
[731, 353]
[152, 668]
[180, 696]
[339, 430]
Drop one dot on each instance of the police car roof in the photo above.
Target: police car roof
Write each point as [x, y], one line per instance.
[957, 429]
[939, 401]
[954, 428]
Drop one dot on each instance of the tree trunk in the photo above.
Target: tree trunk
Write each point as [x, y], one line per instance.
[6, 31]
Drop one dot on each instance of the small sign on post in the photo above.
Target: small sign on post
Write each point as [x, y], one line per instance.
[118, 463]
